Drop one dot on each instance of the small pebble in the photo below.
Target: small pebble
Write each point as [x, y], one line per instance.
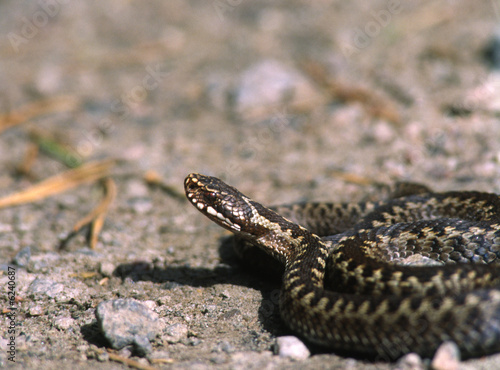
[170, 285]
[150, 304]
[218, 359]
[22, 257]
[136, 189]
[46, 287]
[291, 347]
[383, 133]
[173, 38]
[225, 294]
[142, 345]
[125, 352]
[143, 363]
[410, 361]
[447, 357]
[107, 269]
[36, 310]
[64, 323]
[163, 300]
[42, 262]
[225, 346]
[175, 333]
[49, 78]
[83, 348]
[270, 84]
[486, 95]
[493, 50]
[128, 322]
[193, 341]
[141, 205]
[102, 356]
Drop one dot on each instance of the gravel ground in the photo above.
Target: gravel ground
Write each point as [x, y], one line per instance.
[231, 89]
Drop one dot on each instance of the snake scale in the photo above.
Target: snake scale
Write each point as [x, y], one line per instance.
[350, 283]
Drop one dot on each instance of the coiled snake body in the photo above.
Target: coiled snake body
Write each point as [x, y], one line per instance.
[347, 284]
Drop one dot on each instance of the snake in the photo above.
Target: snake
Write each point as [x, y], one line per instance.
[376, 279]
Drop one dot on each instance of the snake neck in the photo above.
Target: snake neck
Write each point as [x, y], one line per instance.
[306, 265]
[275, 234]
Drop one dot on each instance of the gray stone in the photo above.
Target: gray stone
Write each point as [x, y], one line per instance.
[128, 322]
[193, 341]
[125, 352]
[46, 287]
[42, 263]
[175, 333]
[102, 356]
[22, 258]
[493, 50]
[142, 345]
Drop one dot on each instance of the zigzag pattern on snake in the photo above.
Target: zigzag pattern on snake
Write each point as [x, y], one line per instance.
[347, 283]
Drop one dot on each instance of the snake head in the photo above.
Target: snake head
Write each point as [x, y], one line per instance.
[231, 209]
[219, 201]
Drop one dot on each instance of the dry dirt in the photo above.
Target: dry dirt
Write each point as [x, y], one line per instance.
[156, 85]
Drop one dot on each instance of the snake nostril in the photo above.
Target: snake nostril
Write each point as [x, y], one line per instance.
[190, 185]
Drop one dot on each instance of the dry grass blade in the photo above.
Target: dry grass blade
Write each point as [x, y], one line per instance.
[95, 218]
[85, 274]
[152, 178]
[96, 229]
[31, 110]
[127, 361]
[98, 214]
[110, 189]
[351, 178]
[161, 361]
[60, 183]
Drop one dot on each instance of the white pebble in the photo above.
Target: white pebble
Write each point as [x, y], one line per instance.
[64, 323]
[291, 347]
[107, 269]
[447, 357]
[267, 85]
[150, 304]
[410, 361]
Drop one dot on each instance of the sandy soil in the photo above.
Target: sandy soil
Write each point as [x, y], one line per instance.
[405, 93]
